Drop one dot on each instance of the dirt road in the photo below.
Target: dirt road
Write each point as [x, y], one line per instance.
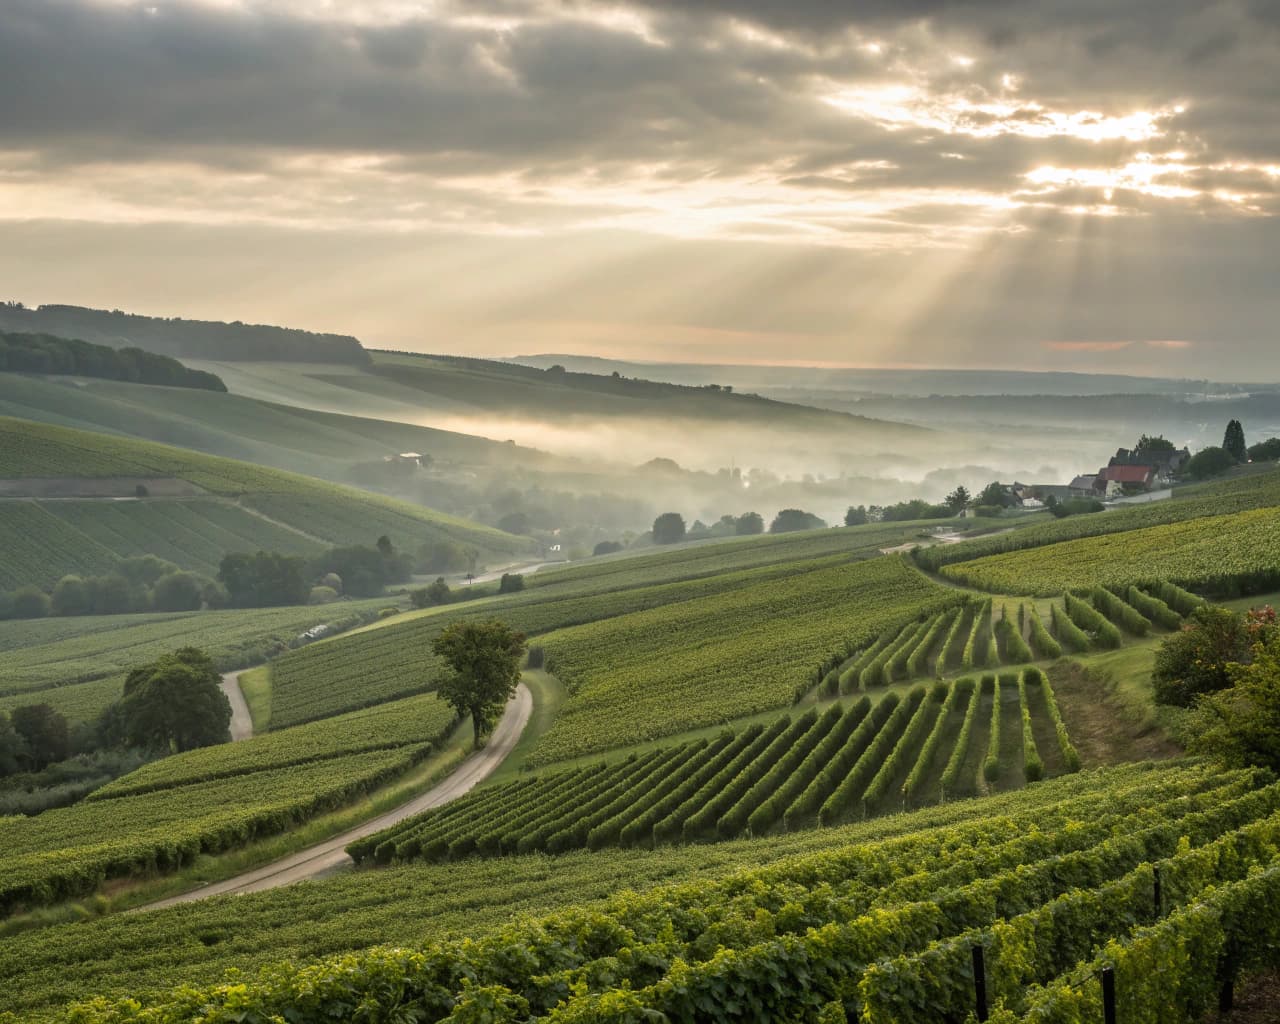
[331, 854]
[241, 721]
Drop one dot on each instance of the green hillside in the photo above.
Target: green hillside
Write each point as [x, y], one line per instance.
[289, 437]
[63, 488]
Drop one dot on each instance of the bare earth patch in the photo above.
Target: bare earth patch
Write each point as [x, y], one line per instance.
[1099, 730]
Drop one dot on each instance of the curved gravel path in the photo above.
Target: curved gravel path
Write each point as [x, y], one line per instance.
[241, 720]
[331, 854]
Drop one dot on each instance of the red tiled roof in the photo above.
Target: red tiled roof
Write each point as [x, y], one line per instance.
[1127, 474]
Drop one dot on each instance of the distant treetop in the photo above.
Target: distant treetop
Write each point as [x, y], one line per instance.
[43, 353]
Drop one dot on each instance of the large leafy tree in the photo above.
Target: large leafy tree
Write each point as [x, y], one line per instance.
[668, 528]
[44, 732]
[1198, 659]
[175, 703]
[483, 660]
[1242, 724]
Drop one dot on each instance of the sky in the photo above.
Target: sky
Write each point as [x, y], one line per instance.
[1014, 184]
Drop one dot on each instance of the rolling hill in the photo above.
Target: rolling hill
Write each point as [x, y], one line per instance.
[81, 500]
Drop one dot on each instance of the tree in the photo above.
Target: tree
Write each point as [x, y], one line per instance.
[958, 499]
[1242, 724]
[748, 524]
[265, 579]
[45, 733]
[511, 583]
[606, 547]
[14, 752]
[1209, 462]
[1195, 660]
[668, 528]
[856, 516]
[484, 669]
[437, 593]
[515, 522]
[1233, 442]
[175, 703]
[789, 520]
[1157, 445]
[995, 493]
[71, 597]
[29, 603]
[1265, 451]
[178, 592]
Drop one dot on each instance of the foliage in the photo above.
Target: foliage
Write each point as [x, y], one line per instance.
[790, 520]
[1233, 442]
[363, 571]
[768, 942]
[606, 547]
[483, 660]
[1265, 451]
[1044, 645]
[1095, 625]
[1209, 462]
[1197, 659]
[39, 736]
[1241, 724]
[856, 515]
[668, 528]
[264, 579]
[46, 354]
[749, 524]
[511, 583]
[175, 703]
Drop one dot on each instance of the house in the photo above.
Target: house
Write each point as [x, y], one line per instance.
[1166, 464]
[1083, 486]
[1116, 479]
[1058, 492]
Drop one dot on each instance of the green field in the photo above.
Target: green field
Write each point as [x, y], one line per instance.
[78, 664]
[899, 886]
[661, 671]
[208, 800]
[257, 507]
[830, 767]
[1238, 494]
[1216, 553]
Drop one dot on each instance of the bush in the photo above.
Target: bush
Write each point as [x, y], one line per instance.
[511, 583]
[606, 547]
[1196, 659]
[1209, 462]
[790, 520]
[179, 592]
[29, 603]
[71, 597]
[322, 595]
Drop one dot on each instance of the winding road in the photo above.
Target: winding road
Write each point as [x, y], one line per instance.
[331, 854]
[241, 720]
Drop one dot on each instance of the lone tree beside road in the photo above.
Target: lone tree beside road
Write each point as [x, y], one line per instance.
[176, 703]
[484, 669]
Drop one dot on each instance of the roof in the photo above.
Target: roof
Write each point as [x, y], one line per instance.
[1084, 481]
[1127, 474]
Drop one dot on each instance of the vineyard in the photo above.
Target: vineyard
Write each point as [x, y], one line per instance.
[1132, 862]
[208, 800]
[820, 768]
[1261, 491]
[329, 513]
[77, 664]
[704, 661]
[1222, 554]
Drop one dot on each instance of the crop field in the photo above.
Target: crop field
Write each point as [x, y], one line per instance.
[662, 671]
[818, 768]
[49, 549]
[878, 917]
[396, 659]
[402, 723]
[1215, 553]
[213, 800]
[1259, 491]
[78, 664]
[331, 513]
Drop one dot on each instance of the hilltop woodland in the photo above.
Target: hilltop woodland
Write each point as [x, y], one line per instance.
[771, 771]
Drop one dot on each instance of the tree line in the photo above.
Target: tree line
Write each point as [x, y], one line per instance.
[44, 353]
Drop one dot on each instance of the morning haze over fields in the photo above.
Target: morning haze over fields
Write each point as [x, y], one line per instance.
[670, 511]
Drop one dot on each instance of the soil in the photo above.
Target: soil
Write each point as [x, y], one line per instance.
[1257, 1001]
[1097, 728]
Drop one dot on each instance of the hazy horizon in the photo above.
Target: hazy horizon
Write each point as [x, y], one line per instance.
[1083, 187]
